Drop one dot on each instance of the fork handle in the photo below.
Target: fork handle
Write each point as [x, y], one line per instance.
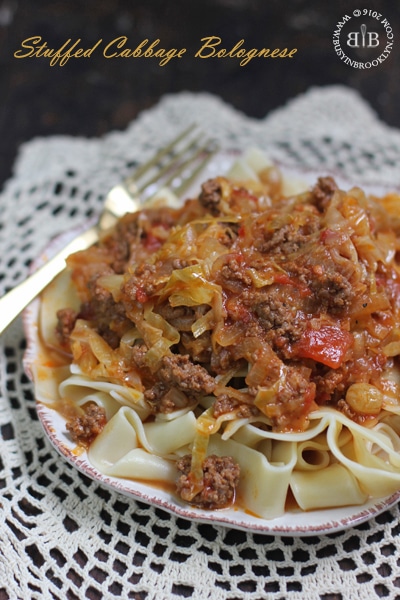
[15, 301]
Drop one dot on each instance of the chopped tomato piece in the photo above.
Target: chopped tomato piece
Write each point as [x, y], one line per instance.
[152, 243]
[327, 345]
[141, 295]
[285, 279]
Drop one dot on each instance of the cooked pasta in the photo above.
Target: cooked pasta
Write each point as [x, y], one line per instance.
[242, 348]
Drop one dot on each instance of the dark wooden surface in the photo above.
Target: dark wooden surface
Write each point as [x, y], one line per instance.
[90, 96]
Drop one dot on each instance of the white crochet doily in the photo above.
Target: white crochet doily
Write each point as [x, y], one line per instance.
[63, 536]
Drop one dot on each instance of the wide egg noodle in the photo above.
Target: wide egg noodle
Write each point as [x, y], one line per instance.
[128, 448]
[47, 381]
[345, 464]
[377, 476]
[58, 294]
[331, 486]
[77, 385]
[250, 435]
[312, 456]
[304, 478]
[264, 482]
[116, 453]
[391, 430]
[268, 460]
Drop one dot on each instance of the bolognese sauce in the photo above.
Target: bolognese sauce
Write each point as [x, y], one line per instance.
[264, 303]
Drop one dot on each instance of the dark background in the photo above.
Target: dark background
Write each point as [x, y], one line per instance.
[91, 96]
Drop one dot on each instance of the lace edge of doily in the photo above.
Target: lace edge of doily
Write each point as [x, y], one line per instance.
[332, 111]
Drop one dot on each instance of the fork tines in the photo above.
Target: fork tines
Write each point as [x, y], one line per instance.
[176, 165]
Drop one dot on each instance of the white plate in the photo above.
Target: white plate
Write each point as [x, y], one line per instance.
[292, 523]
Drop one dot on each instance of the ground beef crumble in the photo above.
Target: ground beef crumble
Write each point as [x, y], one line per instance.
[332, 291]
[220, 478]
[232, 273]
[211, 195]
[323, 191]
[224, 404]
[178, 372]
[166, 400]
[85, 428]
[289, 238]
[278, 312]
[66, 318]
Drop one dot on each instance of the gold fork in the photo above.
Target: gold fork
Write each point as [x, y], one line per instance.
[172, 169]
